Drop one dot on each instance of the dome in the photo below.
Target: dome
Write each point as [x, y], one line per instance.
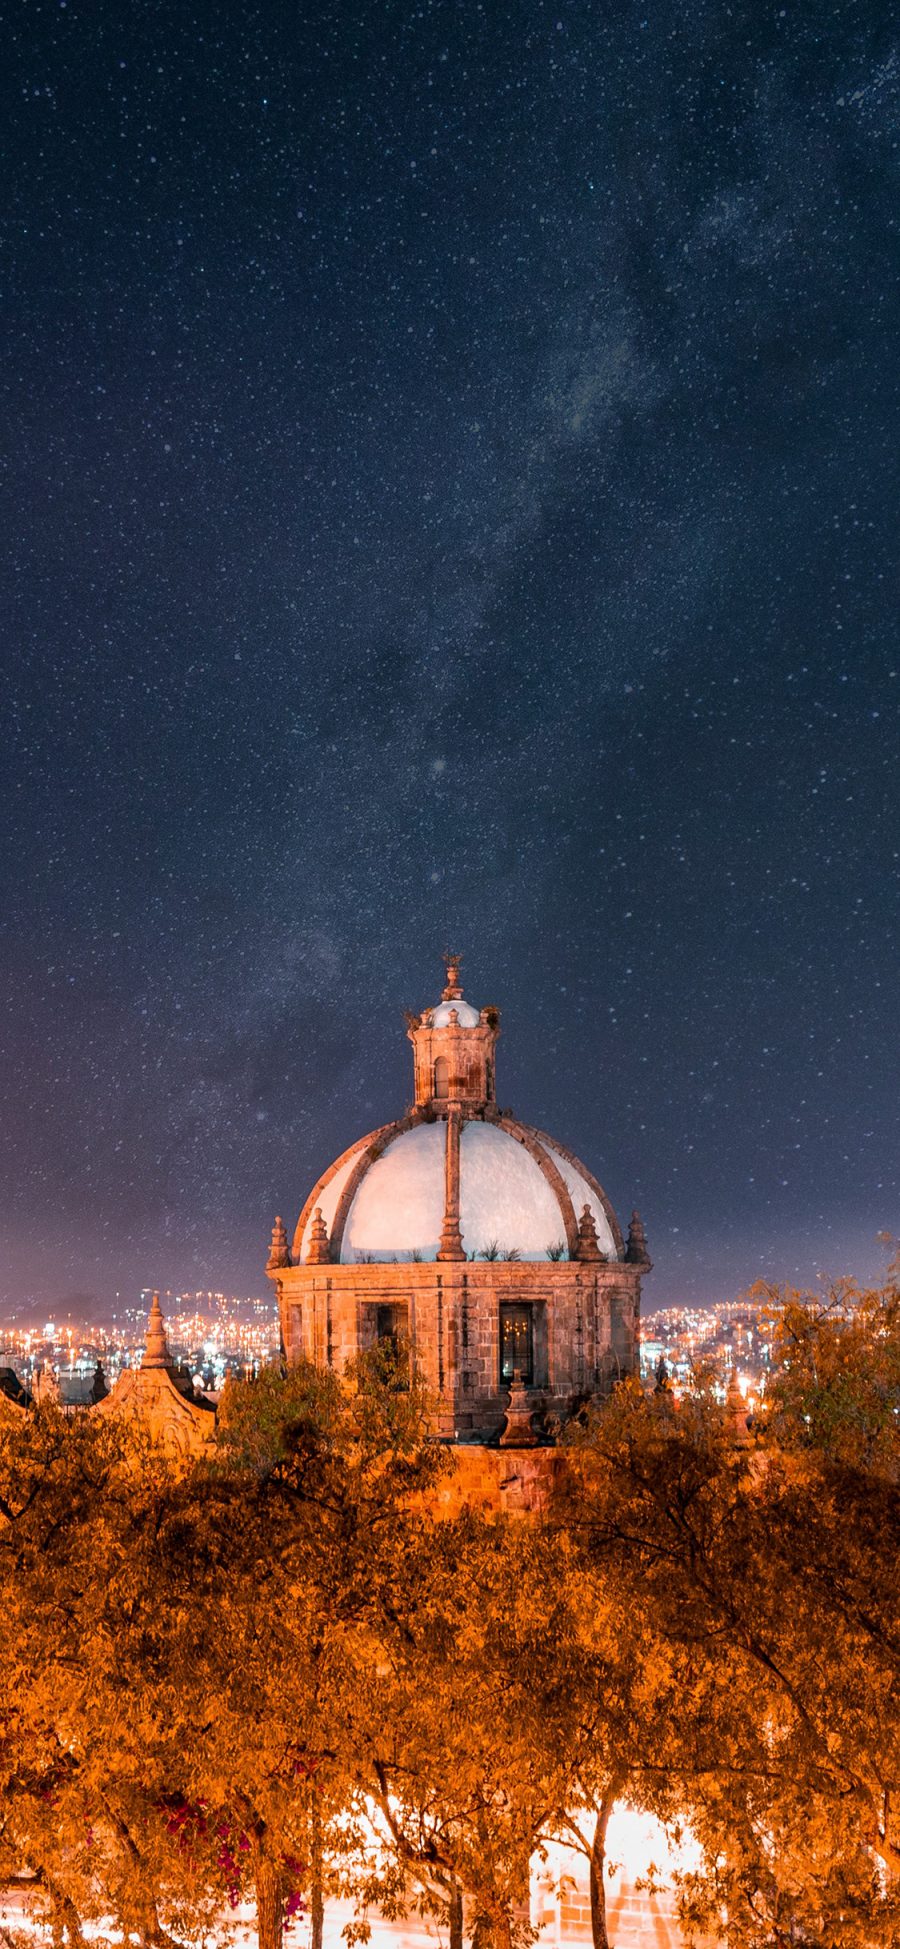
[397, 1242]
[519, 1192]
[467, 1016]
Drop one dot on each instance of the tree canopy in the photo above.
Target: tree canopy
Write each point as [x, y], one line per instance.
[278, 1674]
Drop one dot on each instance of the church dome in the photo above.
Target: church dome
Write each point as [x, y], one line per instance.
[520, 1194]
[455, 1178]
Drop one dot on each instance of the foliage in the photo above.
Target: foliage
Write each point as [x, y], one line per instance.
[836, 1387]
[279, 1673]
[771, 1583]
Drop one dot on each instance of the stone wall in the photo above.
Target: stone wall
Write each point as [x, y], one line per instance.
[584, 1326]
[519, 1481]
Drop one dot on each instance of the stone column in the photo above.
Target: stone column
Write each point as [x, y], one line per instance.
[451, 1246]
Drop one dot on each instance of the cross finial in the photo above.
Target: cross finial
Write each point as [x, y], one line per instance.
[453, 990]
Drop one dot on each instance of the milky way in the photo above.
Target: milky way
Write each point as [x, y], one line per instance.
[451, 487]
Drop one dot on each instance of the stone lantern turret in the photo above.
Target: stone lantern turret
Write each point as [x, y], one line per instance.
[453, 1048]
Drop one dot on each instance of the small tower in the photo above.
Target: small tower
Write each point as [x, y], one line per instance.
[453, 1047]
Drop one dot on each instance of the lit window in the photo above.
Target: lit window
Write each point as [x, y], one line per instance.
[516, 1344]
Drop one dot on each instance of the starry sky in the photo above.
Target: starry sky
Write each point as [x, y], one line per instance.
[450, 493]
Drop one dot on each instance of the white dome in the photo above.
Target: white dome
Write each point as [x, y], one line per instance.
[399, 1206]
[506, 1199]
[467, 1016]
[328, 1191]
[582, 1193]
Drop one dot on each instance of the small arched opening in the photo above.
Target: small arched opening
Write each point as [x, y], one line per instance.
[441, 1076]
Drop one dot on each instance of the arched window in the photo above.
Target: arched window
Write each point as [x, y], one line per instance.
[441, 1077]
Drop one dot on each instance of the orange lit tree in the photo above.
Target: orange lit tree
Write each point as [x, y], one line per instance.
[771, 1575]
[276, 1675]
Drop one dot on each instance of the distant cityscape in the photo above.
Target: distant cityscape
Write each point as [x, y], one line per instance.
[734, 1334]
[210, 1334]
[214, 1334]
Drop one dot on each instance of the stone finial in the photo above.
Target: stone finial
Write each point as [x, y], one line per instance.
[587, 1247]
[636, 1249]
[156, 1347]
[736, 1414]
[319, 1252]
[518, 1427]
[99, 1389]
[453, 990]
[662, 1375]
[279, 1254]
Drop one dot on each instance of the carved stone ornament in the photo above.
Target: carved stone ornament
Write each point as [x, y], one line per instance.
[319, 1252]
[279, 1254]
[518, 1427]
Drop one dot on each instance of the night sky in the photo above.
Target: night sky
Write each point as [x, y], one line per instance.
[450, 466]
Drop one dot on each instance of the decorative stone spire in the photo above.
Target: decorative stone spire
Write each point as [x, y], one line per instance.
[319, 1249]
[587, 1247]
[156, 1346]
[99, 1389]
[279, 1254]
[636, 1249]
[736, 1414]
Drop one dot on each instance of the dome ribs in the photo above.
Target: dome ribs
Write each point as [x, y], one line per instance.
[369, 1154]
[531, 1141]
[322, 1183]
[592, 1184]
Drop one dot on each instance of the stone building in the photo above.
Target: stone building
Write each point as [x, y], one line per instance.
[161, 1396]
[480, 1243]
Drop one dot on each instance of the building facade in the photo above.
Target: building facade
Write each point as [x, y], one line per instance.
[477, 1242]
